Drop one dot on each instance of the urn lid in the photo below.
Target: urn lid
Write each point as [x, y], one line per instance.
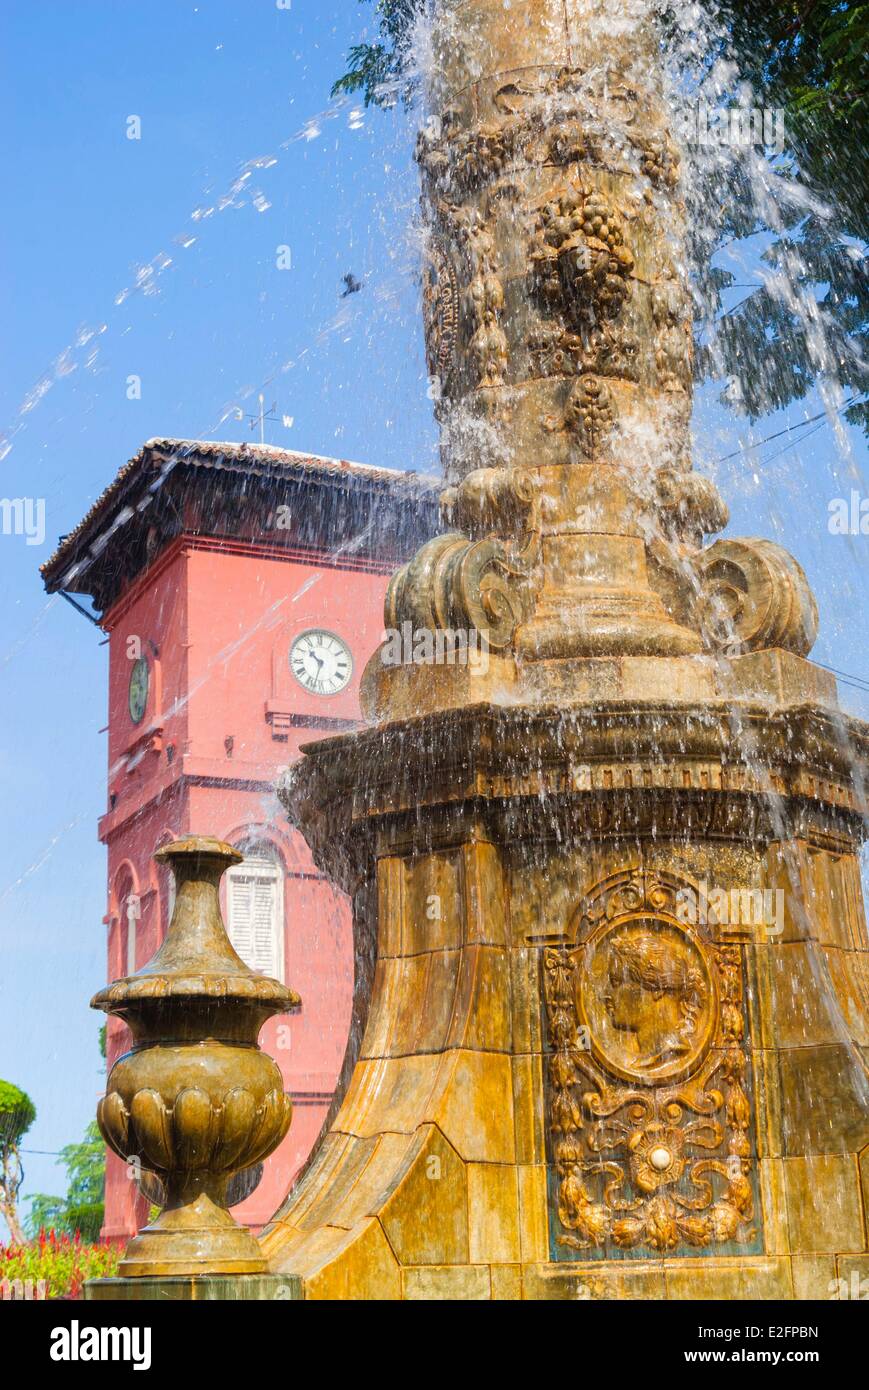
[197, 962]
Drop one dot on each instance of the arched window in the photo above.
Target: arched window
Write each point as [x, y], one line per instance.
[128, 911]
[255, 908]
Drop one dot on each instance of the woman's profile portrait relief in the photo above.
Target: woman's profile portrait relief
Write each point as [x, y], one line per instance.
[648, 1000]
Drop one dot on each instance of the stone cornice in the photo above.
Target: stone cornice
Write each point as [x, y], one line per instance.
[545, 761]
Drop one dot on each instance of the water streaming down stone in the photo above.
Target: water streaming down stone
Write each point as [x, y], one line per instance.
[738, 180]
[605, 880]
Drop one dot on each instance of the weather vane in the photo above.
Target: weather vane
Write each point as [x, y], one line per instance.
[262, 415]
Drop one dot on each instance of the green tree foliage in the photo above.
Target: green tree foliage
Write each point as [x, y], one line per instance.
[83, 1206]
[379, 70]
[808, 58]
[17, 1113]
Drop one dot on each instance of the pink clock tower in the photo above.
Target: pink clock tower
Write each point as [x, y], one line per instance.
[242, 592]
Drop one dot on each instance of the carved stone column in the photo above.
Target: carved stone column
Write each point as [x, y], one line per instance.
[558, 325]
[613, 1044]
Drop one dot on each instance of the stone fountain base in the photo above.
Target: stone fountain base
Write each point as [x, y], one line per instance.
[616, 1038]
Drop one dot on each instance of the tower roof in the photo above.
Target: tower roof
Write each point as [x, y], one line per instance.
[161, 493]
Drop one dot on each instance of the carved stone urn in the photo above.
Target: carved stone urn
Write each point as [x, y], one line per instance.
[195, 1100]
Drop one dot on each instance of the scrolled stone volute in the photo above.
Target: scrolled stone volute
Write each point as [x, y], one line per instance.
[472, 580]
[690, 504]
[454, 584]
[756, 596]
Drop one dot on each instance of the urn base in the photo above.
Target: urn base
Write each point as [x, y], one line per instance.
[199, 1238]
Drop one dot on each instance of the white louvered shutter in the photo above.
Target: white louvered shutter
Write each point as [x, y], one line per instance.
[240, 915]
[256, 914]
[134, 912]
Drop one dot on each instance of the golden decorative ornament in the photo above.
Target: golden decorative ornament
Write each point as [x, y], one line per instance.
[194, 1100]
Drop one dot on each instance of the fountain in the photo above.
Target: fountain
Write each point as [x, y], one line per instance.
[609, 1040]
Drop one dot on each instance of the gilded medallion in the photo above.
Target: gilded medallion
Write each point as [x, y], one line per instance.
[648, 999]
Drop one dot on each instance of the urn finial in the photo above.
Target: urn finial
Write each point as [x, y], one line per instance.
[194, 1100]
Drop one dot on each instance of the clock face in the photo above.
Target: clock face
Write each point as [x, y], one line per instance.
[321, 662]
[139, 681]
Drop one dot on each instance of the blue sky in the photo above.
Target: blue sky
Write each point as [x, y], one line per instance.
[216, 84]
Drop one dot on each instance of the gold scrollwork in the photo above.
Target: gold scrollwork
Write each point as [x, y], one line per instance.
[648, 1111]
[454, 583]
[441, 309]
